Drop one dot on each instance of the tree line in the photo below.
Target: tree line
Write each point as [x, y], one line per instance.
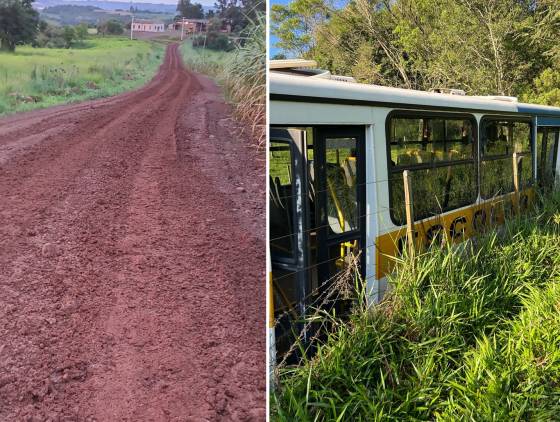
[237, 13]
[504, 47]
[20, 24]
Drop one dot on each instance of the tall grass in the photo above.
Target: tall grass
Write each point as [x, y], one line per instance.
[39, 77]
[466, 333]
[246, 79]
[242, 73]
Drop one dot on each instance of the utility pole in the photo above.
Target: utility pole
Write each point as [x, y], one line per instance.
[182, 27]
[131, 26]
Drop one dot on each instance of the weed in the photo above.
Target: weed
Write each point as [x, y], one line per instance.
[466, 333]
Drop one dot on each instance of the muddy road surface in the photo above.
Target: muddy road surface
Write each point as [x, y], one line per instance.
[132, 260]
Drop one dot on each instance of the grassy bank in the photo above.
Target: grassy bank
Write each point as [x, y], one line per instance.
[242, 73]
[40, 77]
[466, 334]
[206, 61]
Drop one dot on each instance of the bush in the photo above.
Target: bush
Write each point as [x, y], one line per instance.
[57, 37]
[213, 41]
[110, 27]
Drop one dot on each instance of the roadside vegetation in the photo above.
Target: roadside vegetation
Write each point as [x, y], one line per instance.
[95, 67]
[240, 68]
[466, 333]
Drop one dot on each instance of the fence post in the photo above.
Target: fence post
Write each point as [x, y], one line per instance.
[409, 206]
[271, 356]
[516, 182]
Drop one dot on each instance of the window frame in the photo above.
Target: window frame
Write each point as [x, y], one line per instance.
[508, 118]
[293, 258]
[398, 169]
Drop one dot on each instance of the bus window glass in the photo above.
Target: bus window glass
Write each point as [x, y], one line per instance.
[496, 177]
[547, 141]
[434, 190]
[439, 152]
[282, 237]
[500, 139]
[428, 140]
[341, 186]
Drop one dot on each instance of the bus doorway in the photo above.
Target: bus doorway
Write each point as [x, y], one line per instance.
[317, 222]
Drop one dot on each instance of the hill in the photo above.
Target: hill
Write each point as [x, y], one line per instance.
[113, 5]
[70, 14]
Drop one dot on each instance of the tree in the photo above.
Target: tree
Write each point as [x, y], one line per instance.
[239, 13]
[296, 23]
[481, 46]
[187, 9]
[18, 23]
[81, 31]
[69, 35]
[111, 27]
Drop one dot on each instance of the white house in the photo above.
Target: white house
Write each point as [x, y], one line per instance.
[142, 25]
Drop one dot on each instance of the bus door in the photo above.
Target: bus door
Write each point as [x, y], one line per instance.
[288, 231]
[547, 147]
[339, 178]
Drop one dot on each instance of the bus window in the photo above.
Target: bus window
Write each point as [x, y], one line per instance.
[500, 139]
[280, 200]
[547, 141]
[342, 207]
[439, 152]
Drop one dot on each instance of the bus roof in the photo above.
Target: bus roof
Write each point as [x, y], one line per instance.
[291, 87]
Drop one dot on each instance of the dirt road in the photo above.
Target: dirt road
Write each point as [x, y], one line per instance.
[132, 259]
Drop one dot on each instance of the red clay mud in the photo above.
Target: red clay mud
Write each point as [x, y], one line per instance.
[132, 259]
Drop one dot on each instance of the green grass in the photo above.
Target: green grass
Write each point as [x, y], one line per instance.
[39, 77]
[203, 60]
[467, 333]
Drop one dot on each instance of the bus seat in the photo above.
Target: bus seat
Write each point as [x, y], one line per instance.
[404, 159]
[424, 156]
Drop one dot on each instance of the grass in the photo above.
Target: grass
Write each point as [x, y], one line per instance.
[39, 77]
[242, 73]
[203, 60]
[467, 333]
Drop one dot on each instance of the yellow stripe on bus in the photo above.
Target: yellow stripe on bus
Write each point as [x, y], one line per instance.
[454, 226]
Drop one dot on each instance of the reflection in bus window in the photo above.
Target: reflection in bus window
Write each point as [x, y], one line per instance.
[342, 207]
[439, 152]
[500, 139]
[282, 237]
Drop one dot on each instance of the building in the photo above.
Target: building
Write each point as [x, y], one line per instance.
[143, 25]
[191, 26]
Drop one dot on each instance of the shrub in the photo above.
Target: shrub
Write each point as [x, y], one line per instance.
[213, 41]
[110, 27]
